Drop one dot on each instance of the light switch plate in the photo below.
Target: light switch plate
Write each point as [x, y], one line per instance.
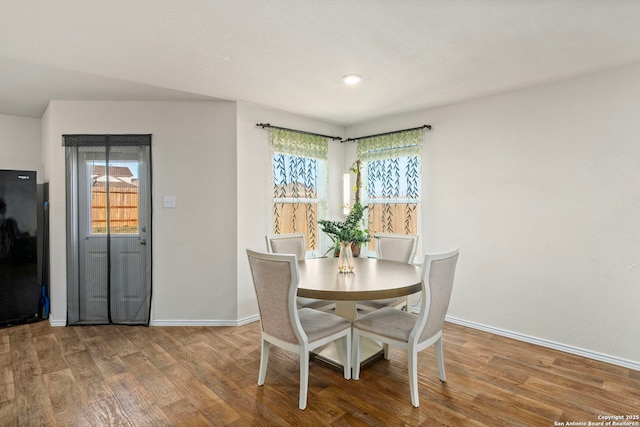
[169, 201]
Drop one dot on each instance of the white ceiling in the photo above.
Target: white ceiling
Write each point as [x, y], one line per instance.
[289, 54]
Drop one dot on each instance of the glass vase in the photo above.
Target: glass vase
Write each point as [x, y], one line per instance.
[345, 260]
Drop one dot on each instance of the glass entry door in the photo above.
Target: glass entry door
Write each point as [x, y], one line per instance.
[109, 188]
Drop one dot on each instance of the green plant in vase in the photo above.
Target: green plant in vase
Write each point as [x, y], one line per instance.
[362, 237]
[347, 231]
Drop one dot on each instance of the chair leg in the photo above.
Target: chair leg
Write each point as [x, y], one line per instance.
[412, 354]
[347, 365]
[440, 358]
[264, 361]
[304, 378]
[355, 342]
[385, 348]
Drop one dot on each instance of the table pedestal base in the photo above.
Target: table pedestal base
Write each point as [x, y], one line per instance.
[332, 355]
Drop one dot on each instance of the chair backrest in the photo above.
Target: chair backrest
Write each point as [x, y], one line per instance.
[396, 247]
[275, 278]
[293, 243]
[438, 272]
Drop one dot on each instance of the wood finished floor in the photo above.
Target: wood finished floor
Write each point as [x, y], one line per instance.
[206, 376]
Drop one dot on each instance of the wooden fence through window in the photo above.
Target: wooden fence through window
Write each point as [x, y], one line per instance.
[295, 218]
[123, 215]
[399, 218]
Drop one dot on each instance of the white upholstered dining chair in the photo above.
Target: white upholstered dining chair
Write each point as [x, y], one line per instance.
[292, 243]
[392, 247]
[275, 278]
[296, 243]
[409, 331]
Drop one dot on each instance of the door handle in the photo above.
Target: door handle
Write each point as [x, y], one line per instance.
[142, 241]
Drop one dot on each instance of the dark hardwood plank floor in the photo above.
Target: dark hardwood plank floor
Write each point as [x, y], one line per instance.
[206, 376]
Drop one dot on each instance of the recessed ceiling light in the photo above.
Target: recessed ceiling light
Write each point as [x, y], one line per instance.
[352, 79]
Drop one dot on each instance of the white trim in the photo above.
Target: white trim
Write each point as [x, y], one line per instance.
[250, 319]
[56, 323]
[306, 200]
[239, 322]
[630, 364]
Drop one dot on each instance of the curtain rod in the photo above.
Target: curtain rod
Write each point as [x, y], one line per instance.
[268, 125]
[386, 133]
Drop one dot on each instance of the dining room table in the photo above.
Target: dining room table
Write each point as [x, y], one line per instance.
[371, 279]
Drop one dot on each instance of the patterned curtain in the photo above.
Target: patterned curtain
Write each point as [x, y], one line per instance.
[299, 175]
[393, 145]
[299, 144]
[392, 165]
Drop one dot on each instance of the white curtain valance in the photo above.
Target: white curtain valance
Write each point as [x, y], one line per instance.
[299, 144]
[393, 145]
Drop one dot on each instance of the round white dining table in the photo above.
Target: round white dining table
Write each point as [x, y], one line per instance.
[371, 279]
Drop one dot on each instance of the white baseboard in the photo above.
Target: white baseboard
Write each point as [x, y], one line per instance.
[630, 364]
[57, 322]
[239, 322]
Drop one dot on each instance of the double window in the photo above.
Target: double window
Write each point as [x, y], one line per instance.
[390, 167]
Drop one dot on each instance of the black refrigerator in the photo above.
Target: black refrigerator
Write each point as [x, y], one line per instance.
[20, 289]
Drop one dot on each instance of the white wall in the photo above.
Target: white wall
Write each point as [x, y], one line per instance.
[194, 159]
[20, 144]
[539, 189]
[255, 186]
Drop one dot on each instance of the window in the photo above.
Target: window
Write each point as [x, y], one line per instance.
[299, 176]
[122, 184]
[390, 167]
